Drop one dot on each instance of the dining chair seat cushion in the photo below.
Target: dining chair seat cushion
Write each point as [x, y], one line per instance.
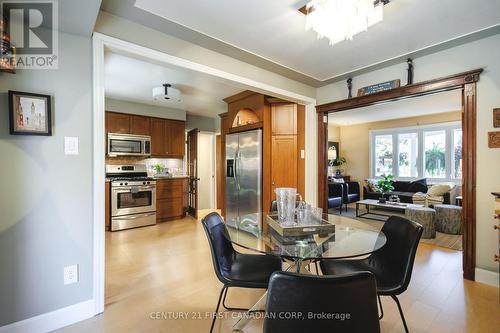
[252, 269]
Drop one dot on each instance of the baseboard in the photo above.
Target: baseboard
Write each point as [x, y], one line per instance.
[52, 320]
[487, 277]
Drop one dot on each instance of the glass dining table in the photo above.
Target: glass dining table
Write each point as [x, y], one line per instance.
[348, 238]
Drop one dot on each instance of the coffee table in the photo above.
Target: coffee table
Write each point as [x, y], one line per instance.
[400, 207]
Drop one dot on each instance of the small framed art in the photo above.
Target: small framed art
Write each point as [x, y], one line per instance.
[29, 114]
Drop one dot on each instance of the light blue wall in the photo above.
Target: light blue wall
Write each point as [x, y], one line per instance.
[46, 197]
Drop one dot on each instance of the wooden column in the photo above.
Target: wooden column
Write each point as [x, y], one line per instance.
[469, 178]
[322, 165]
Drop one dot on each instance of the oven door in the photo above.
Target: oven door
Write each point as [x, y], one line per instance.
[126, 200]
[128, 146]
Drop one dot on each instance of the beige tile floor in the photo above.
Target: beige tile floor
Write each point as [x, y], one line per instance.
[167, 268]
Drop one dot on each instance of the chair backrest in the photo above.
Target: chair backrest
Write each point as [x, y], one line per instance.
[308, 303]
[221, 248]
[395, 259]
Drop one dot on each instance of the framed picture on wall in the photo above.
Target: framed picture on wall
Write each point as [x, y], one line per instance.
[333, 151]
[496, 118]
[29, 114]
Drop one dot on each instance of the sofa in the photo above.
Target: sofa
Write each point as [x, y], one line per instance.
[404, 190]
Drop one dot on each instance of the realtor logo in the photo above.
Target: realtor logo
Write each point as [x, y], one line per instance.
[31, 28]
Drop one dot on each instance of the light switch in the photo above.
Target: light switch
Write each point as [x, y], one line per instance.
[302, 154]
[70, 274]
[70, 145]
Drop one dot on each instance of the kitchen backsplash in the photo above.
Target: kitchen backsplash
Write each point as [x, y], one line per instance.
[175, 167]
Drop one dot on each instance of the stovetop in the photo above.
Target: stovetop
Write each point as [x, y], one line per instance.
[132, 178]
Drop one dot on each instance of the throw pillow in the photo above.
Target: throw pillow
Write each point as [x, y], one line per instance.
[419, 185]
[438, 190]
[372, 185]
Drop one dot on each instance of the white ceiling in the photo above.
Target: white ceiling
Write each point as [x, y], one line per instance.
[132, 80]
[274, 30]
[412, 107]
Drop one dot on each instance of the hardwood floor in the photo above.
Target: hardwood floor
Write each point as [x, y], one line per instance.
[156, 270]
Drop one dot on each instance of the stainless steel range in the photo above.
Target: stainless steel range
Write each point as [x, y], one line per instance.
[133, 196]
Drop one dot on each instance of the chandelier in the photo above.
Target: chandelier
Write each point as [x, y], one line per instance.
[340, 20]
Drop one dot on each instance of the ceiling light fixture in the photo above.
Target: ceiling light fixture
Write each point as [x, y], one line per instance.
[167, 92]
[340, 20]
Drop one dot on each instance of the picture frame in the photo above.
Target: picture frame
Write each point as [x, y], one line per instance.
[496, 117]
[29, 113]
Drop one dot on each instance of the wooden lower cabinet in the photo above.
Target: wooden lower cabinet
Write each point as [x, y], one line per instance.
[171, 199]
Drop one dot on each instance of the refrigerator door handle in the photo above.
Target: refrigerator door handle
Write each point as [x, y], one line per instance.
[236, 169]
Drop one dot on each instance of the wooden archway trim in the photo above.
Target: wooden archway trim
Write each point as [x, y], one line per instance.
[467, 81]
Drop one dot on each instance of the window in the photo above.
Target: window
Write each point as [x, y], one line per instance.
[383, 154]
[432, 151]
[435, 154]
[408, 154]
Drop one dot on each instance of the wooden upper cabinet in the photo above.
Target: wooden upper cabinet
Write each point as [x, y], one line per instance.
[117, 123]
[284, 162]
[175, 138]
[157, 137]
[284, 119]
[140, 125]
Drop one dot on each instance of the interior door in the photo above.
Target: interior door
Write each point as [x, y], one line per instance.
[192, 161]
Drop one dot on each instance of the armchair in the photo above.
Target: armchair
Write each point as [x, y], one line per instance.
[351, 193]
[335, 196]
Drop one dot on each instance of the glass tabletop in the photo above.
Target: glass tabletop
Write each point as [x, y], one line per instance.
[350, 238]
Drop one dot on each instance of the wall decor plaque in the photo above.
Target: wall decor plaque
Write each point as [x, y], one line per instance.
[494, 139]
[374, 88]
[496, 117]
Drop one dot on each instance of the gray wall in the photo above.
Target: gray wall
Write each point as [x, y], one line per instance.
[206, 124]
[143, 109]
[46, 197]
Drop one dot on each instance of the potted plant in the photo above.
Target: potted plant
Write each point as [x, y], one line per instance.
[159, 168]
[338, 162]
[385, 185]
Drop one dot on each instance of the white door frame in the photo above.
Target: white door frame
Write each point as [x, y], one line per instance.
[101, 41]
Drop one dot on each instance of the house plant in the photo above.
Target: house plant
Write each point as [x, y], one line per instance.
[338, 162]
[385, 185]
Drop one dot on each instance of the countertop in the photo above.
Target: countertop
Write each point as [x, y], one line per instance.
[171, 177]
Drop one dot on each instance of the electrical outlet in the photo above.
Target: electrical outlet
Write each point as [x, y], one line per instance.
[70, 274]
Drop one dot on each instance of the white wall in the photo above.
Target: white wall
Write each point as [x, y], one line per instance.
[206, 170]
[117, 105]
[46, 198]
[482, 53]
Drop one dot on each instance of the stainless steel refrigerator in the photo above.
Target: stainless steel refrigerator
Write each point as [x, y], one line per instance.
[243, 176]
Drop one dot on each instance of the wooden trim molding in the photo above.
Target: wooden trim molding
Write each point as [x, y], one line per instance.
[467, 81]
[469, 178]
[417, 89]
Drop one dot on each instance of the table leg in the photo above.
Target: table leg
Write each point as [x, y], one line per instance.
[357, 209]
[243, 321]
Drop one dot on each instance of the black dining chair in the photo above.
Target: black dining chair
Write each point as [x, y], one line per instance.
[232, 268]
[299, 303]
[392, 265]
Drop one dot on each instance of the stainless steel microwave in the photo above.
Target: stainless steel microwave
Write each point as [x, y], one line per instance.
[128, 145]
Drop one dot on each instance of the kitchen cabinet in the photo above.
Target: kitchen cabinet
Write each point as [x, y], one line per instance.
[140, 125]
[284, 162]
[117, 123]
[167, 138]
[157, 137]
[171, 198]
[284, 119]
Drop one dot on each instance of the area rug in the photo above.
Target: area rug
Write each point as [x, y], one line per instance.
[453, 242]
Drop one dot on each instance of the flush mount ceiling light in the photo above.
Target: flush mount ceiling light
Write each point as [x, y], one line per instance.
[340, 20]
[167, 92]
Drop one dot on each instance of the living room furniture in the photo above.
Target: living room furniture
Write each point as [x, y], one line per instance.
[335, 195]
[392, 265]
[351, 239]
[384, 211]
[351, 193]
[449, 219]
[291, 293]
[424, 216]
[403, 189]
[232, 268]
